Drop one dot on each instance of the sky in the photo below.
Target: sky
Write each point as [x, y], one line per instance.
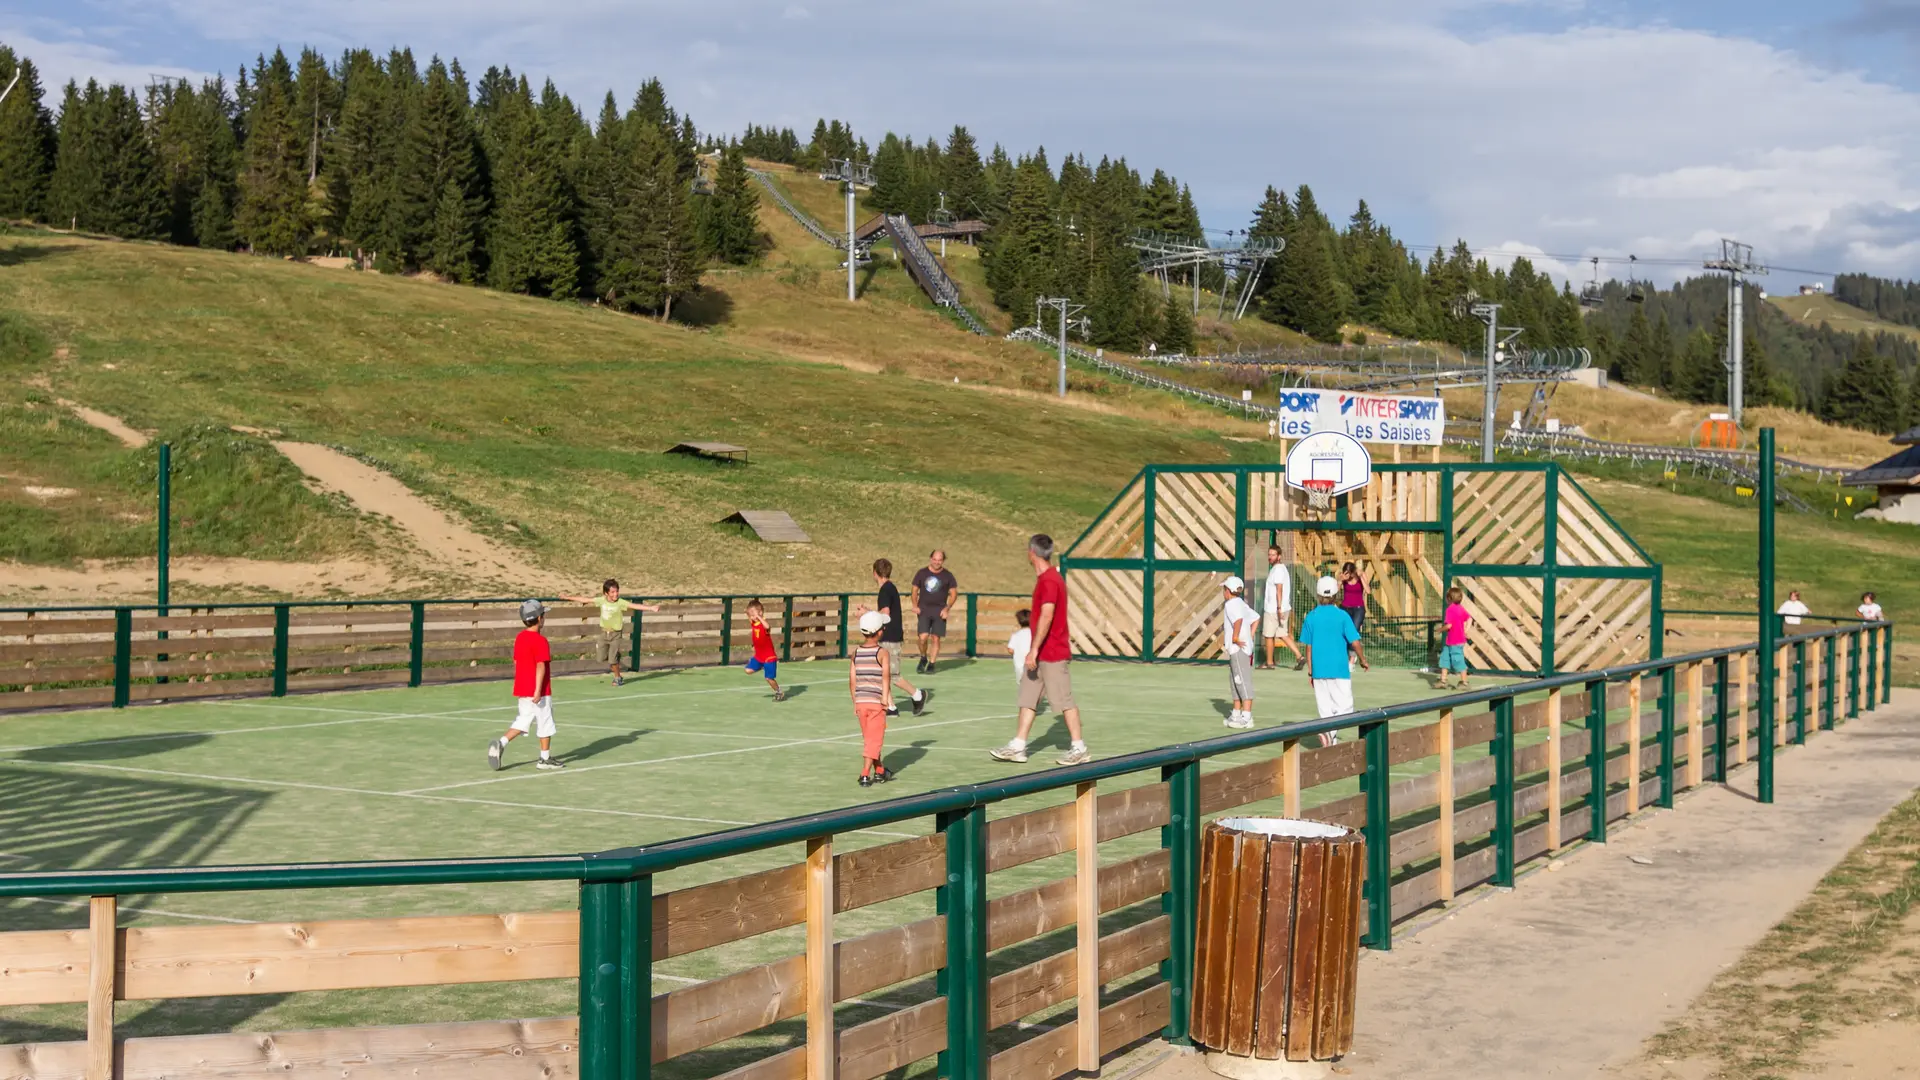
[1559, 128]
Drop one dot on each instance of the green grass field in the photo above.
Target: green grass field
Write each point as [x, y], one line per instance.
[402, 774]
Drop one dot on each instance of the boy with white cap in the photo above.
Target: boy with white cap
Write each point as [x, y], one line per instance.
[1326, 634]
[870, 682]
[533, 685]
[1241, 620]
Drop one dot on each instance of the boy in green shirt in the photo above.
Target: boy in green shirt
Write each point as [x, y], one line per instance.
[613, 622]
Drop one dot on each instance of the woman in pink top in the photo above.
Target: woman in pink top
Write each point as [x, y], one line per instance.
[1353, 595]
[1453, 648]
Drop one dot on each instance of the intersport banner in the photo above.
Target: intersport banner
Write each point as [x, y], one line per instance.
[1372, 418]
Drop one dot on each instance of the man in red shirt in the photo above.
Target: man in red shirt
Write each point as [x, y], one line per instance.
[1044, 672]
[533, 685]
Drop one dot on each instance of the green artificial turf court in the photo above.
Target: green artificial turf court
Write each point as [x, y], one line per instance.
[402, 773]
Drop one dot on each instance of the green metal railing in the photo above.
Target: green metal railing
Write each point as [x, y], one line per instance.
[616, 887]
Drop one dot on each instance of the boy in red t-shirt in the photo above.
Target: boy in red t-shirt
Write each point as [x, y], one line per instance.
[533, 685]
[766, 660]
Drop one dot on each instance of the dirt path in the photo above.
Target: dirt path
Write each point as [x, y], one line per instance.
[1573, 970]
[112, 425]
[449, 545]
[99, 581]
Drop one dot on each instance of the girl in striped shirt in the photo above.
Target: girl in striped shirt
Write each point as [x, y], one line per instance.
[870, 681]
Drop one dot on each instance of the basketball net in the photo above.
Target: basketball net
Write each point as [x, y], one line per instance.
[1319, 494]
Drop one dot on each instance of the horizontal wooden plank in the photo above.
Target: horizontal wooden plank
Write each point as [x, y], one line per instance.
[43, 967]
[20, 700]
[56, 623]
[1416, 894]
[57, 650]
[271, 958]
[183, 691]
[482, 1050]
[351, 681]
[1323, 765]
[1133, 810]
[1023, 838]
[1049, 981]
[871, 875]
[43, 674]
[1043, 909]
[702, 916]
[1242, 784]
[1047, 1055]
[1134, 1018]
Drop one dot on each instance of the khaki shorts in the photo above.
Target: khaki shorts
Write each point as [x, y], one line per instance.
[609, 646]
[893, 650]
[1273, 624]
[1050, 682]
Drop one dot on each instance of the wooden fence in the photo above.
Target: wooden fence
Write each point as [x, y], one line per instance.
[1470, 788]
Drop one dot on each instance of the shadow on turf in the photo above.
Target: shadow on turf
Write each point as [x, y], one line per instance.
[113, 749]
[596, 747]
[794, 690]
[907, 757]
[957, 663]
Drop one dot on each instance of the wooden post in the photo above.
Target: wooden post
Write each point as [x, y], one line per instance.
[1445, 824]
[1696, 733]
[102, 963]
[1086, 818]
[1746, 703]
[1633, 745]
[1290, 779]
[823, 1056]
[1553, 770]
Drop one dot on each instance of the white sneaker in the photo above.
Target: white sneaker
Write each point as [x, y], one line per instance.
[1242, 722]
[1076, 756]
[1329, 738]
[493, 754]
[1015, 754]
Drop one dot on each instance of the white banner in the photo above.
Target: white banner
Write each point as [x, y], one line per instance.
[1371, 418]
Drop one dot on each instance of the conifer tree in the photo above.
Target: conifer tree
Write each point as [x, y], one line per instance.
[315, 106]
[1866, 393]
[731, 225]
[1272, 221]
[962, 176]
[26, 141]
[1022, 252]
[272, 214]
[136, 201]
[359, 167]
[1306, 294]
[889, 194]
[439, 204]
[530, 241]
[651, 261]
[1176, 326]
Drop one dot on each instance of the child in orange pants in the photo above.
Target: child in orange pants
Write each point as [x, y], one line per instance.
[870, 681]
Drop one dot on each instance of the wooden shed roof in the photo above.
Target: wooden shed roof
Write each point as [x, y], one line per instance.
[773, 526]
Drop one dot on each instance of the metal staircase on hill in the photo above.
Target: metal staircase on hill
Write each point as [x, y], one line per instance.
[927, 270]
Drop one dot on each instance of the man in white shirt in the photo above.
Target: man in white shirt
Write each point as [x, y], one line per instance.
[1277, 610]
[1794, 608]
[1241, 621]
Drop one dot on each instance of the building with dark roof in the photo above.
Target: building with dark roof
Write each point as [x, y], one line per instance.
[1897, 479]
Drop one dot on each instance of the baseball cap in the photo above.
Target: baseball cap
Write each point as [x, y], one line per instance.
[531, 609]
[872, 622]
[1233, 584]
[1327, 587]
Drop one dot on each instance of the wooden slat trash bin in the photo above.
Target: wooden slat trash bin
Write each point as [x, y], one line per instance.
[1278, 946]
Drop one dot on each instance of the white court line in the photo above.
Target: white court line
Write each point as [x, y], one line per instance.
[695, 757]
[407, 794]
[135, 910]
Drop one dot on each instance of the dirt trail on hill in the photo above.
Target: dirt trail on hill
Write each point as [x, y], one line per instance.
[112, 425]
[100, 581]
[449, 545]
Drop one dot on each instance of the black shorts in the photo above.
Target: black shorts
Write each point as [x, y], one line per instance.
[932, 623]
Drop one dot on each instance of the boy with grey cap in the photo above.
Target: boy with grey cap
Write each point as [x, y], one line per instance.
[533, 685]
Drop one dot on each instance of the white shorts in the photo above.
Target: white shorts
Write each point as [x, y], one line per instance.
[536, 715]
[1334, 696]
[1273, 624]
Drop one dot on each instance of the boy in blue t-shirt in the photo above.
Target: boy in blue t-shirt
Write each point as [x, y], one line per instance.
[1326, 634]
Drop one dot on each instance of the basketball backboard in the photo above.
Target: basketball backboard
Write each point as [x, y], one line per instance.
[1329, 456]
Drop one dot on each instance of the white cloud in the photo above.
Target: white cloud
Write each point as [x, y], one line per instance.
[60, 58]
[1655, 139]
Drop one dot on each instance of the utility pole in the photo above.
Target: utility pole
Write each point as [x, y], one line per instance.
[1736, 259]
[852, 174]
[943, 218]
[1067, 309]
[1490, 402]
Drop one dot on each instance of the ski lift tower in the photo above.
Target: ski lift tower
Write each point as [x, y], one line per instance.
[1736, 260]
[853, 174]
[1161, 252]
[1068, 311]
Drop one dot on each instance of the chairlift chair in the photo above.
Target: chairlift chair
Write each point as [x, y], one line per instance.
[1591, 295]
[1636, 294]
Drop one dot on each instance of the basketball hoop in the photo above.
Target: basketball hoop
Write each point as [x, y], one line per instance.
[1319, 494]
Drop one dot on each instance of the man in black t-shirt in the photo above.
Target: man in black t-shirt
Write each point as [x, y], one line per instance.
[888, 604]
[934, 591]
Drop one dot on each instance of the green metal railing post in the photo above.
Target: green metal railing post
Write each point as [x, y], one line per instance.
[1150, 503]
[973, 624]
[1721, 683]
[1503, 792]
[786, 630]
[1830, 686]
[963, 981]
[1376, 783]
[634, 638]
[1768, 621]
[417, 642]
[163, 580]
[726, 631]
[1799, 693]
[122, 656]
[1873, 668]
[1181, 838]
[281, 617]
[1666, 742]
[846, 605]
[1853, 674]
[1597, 760]
[1886, 659]
[636, 977]
[602, 953]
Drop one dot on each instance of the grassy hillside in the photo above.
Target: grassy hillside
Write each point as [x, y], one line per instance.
[543, 423]
[1821, 308]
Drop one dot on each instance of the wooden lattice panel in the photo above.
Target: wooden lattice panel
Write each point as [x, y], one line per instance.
[1193, 516]
[1506, 622]
[1499, 518]
[1401, 578]
[1188, 614]
[1586, 537]
[1120, 533]
[1600, 622]
[1104, 613]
